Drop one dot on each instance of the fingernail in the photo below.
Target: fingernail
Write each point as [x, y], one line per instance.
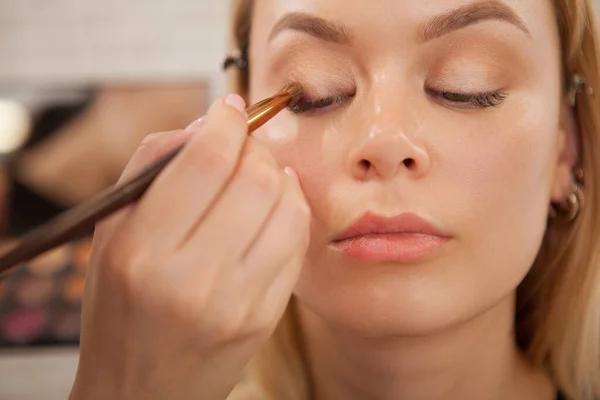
[195, 125]
[236, 101]
[292, 173]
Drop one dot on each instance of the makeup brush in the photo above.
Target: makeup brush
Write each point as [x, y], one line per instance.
[82, 218]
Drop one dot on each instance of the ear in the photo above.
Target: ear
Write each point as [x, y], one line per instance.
[568, 152]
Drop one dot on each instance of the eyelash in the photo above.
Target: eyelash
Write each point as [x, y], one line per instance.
[472, 100]
[303, 106]
[461, 100]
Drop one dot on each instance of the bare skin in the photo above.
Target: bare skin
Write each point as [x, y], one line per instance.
[90, 153]
[462, 125]
[143, 339]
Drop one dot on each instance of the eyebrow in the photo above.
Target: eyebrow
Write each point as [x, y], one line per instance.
[441, 25]
[468, 15]
[320, 28]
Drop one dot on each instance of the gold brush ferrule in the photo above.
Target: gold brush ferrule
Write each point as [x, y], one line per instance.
[263, 111]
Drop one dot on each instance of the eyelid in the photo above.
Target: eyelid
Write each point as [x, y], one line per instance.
[320, 80]
[313, 92]
[322, 104]
[320, 88]
[470, 100]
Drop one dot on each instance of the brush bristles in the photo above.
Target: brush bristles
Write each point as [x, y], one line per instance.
[295, 90]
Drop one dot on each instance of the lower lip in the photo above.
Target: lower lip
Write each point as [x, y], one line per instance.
[399, 247]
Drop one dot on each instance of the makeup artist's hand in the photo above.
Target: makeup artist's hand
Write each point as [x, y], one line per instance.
[187, 284]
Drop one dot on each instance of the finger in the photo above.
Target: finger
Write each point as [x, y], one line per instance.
[150, 149]
[187, 187]
[276, 296]
[257, 291]
[244, 207]
[284, 238]
[268, 274]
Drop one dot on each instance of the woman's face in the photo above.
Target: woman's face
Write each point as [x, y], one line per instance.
[443, 112]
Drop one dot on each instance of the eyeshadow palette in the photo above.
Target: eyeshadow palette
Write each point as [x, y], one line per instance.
[40, 303]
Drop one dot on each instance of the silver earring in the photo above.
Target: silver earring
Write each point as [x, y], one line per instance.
[576, 86]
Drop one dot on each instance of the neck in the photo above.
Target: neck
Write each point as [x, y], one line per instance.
[476, 360]
[69, 167]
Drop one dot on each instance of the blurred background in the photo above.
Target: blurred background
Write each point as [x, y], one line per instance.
[81, 83]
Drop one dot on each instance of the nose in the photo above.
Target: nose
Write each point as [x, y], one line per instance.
[384, 153]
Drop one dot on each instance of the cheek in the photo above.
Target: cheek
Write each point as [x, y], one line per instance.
[298, 144]
[314, 150]
[497, 178]
[280, 134]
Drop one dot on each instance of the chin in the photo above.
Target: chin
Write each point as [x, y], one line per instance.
[399, 300]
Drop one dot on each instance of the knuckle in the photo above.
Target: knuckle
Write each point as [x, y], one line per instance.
[219, 162]
[116, 265]
[150, 138]
[268, 316]
[299, 213]
[215, 156]
[258, 150]
[161, 139]
[240, 324]
[298, 222]
[155, 145]
[235, 118]
[126, 262]
[224, 119]
[114, 256]
[264, 178]
[141, 260]
[227, 328]
[260, 323]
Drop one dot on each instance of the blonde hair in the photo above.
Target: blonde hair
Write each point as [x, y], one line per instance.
[557, 319]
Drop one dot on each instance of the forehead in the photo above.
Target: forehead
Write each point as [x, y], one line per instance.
[392, 17]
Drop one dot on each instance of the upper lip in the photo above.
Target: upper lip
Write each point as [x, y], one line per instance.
[373, 224]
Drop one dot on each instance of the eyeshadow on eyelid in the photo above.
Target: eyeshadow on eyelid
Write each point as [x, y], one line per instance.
[318, 80]
[470, 71]
[307, 57]
[492, 55]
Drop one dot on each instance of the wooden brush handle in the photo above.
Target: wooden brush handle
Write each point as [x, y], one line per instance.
[81, 219]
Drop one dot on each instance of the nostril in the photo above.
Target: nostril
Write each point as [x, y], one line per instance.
[365, 164]
[409, 163]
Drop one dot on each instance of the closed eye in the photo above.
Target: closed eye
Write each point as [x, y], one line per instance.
[304, 106]
[470, 100]
[454, 99]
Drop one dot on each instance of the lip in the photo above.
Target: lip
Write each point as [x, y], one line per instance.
[402, 238]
